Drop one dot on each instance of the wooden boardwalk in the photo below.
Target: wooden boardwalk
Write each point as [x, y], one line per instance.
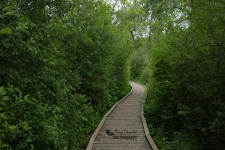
[124, 127]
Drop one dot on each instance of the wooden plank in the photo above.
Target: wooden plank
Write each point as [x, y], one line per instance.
[124, 126]
[91, 142]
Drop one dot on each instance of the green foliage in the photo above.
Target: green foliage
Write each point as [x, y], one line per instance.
[20, 119]
[140, 62]
[6, 31]
[186, 98]
[176, 141]
[70, 59]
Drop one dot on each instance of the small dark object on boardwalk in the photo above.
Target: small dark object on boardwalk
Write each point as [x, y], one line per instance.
[109, 132]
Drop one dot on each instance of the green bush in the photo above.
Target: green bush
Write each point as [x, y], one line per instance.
[70, 59]
[21, 118]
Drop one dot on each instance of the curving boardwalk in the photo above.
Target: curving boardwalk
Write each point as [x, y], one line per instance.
[124, 127]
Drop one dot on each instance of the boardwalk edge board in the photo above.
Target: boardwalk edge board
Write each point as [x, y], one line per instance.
[94, 135]
[147, 135]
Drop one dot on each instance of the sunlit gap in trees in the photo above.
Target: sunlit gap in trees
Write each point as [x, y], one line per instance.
[180, 19]
[128, 8]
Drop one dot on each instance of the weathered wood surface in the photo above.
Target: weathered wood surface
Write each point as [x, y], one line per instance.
[124, 127]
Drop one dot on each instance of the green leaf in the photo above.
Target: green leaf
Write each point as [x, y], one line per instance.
[11, 13]
[2, 91]
[4, 146]
[70, 12]
[6, 31]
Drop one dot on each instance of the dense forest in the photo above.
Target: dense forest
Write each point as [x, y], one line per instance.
[63, 64]
[182, 61]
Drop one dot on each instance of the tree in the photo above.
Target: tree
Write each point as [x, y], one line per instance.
[186, 61]
[71, 61]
